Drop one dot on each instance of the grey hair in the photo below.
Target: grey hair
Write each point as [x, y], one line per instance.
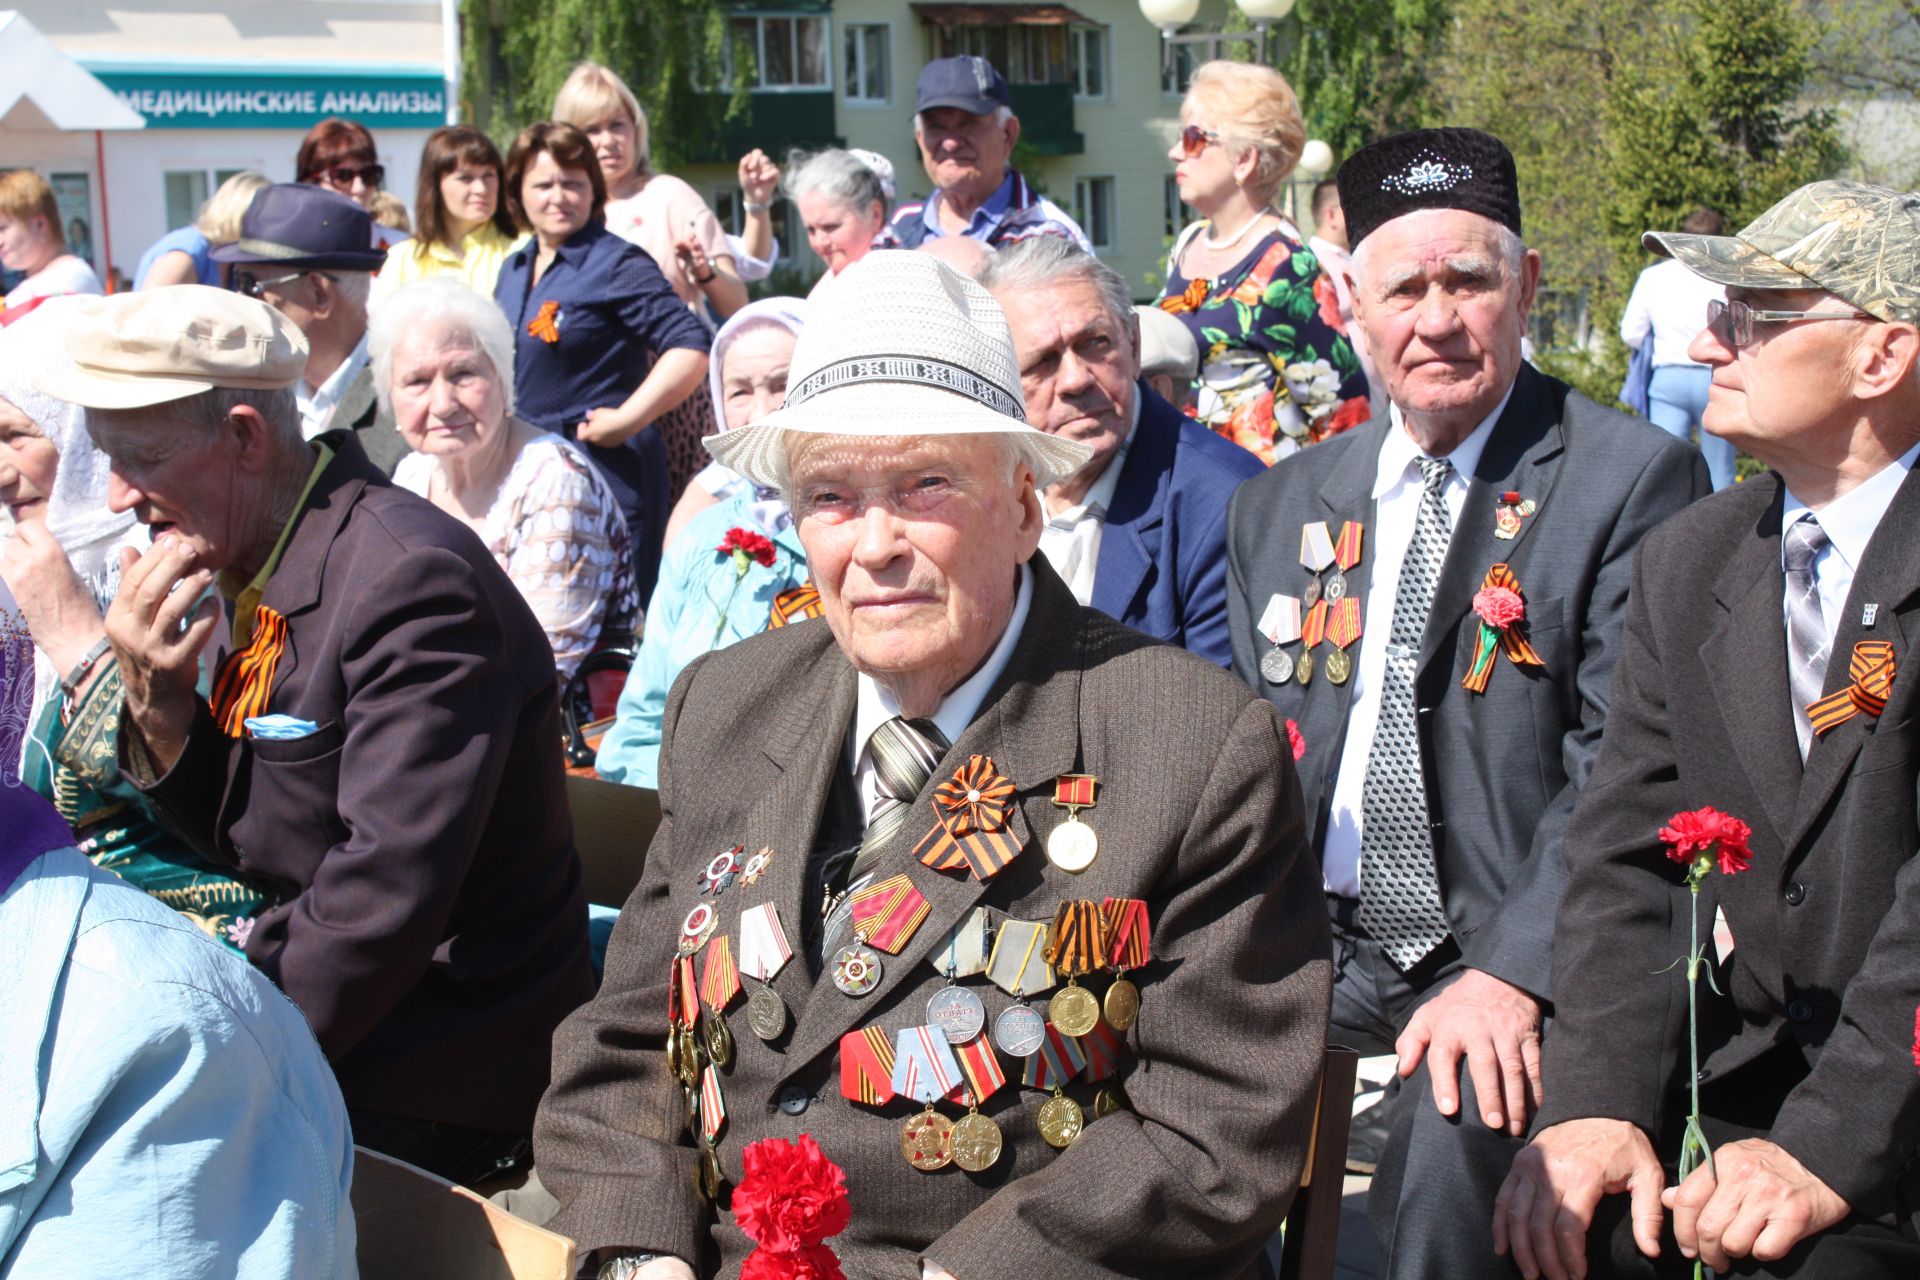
[444, 301]
[1039, 261]
[839, 175]
[206, 412]
[354, 288]
[1507, 242]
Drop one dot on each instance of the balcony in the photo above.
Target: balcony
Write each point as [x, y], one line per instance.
[1046, 118]
[774, 122]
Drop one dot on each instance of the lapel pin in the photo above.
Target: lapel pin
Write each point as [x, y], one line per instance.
[1511, 513]
[1869, 614]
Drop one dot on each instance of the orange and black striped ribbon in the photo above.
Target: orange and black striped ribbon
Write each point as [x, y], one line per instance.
[544, 324]
[1079, 940]
[1074, 790]
[1346, 552]
[1343, 627]
[1871, 671]
[1102, 1047]
[1127, 929]
[1509, 640]
[719, 979]
[796, 604]
[244, 681]
[975, 827]
[983, 1072]
[1314, 629]
[866, 1066]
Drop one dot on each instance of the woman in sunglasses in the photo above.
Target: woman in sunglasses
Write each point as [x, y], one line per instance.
[1276, 369]
[339, 155]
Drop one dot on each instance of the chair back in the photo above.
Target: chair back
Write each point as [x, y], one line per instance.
[612, 827]
[415, 1226]
[1311, 1234]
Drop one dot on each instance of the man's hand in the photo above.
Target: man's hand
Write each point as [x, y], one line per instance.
[1497, 1026]
[1756, 1200]
[607, 428]
[159, 657]
[1546, 1205]
[60, 612]
[758, 177]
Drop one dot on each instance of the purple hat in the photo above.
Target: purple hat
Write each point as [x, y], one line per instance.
[1429, 169]
[969, 83]
[296, 224]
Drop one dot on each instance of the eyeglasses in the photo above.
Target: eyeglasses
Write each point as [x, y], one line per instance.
[1194, 140]
[1735, 320]
[342, 176]
[242, 281]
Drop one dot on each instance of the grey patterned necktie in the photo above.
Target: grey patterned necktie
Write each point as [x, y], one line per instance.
[904, 753]
[1808, 645]
[1399, 891]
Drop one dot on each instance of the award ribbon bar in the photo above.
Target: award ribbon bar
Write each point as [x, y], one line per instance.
[683, 993]
[1059, 1060]
[924, 1068]
[866, 1067]
[1102, 1047]
[764, 949]
[886, 915]
[1127, 932]
[1343, 624]
[719, 980]
[1079, 942]
[1017, 965]
[1314, 629]
[963, 953]
[982, 1068]
[713, 1107]
[1346, 553]
[1316, 545]
[1280, 620]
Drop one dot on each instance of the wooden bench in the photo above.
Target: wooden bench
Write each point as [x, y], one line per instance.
[1311, 1233]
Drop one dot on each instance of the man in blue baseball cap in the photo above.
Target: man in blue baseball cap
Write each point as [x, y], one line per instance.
[963, 119]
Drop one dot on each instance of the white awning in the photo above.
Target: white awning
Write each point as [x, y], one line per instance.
[45, 91]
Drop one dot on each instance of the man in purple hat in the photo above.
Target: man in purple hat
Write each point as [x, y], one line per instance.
[303, 250]
[964, 123]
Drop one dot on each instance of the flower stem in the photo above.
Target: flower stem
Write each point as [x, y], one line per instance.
[740, 563]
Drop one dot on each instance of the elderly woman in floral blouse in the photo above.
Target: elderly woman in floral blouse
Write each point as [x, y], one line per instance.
[443, 360]
[1276, 369]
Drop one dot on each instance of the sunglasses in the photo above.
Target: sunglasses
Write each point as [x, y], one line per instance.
[1194, 140]
[244, 282]
[1735, 320]
[342, 176]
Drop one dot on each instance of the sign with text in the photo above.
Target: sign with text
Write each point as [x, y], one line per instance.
[272, 101]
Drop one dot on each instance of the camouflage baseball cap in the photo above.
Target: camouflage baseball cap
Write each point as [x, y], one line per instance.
[1859, 242]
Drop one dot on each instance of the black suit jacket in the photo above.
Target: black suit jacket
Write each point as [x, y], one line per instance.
[1501, 768]
[428, 913]
[1825, 971]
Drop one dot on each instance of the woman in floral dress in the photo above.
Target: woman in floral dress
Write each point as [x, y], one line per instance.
[1276, 369]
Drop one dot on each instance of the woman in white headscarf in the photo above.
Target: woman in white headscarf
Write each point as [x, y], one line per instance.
[62, 563]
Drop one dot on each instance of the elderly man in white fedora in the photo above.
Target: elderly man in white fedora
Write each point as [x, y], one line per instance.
[1003, 903]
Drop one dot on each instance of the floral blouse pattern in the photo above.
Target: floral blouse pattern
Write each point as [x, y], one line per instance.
[1276, 370]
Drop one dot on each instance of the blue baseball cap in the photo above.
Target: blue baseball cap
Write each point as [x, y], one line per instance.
[296, 224]
[970, 83]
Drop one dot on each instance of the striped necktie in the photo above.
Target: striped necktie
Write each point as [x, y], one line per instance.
[1807, 639]
[904, 753]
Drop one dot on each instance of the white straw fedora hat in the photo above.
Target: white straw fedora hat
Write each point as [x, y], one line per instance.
[901, 346]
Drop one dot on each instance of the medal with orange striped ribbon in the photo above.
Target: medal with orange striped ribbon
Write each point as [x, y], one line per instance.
[866, 1066]
[1313, 629]
[1343, 628]
[1870, 679]
[977, 827]
[977, 1141]
[719, 984]
[1346, 554]
[886, 915]
[683, 1011]
[1078, 945]
[1127, 948]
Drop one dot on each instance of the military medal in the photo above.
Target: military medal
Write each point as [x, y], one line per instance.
[1316, 553]
[763, 953]
[719, 984]
[1510, 514]
[1019, 1030]
[767, 1014]
[925, 1070]
[977, 1141]
[1108, 1101]
[683, 1010]
[926, 1140]
[1343, 628]
[866, 1067]
[756, 867]
[1346, 554]
[1313, 629]
[1073, 846]
[720, 871]
[707, 1180]
[963, 952]
[887, 914]
[1127, 948]
[1061, 1120]
[1019, 967]
[856, 969]
[1280, 625]
[697, 928]
[1078, 945]
[957, 1012]
[1060, 1059]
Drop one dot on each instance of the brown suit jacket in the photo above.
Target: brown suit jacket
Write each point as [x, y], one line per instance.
[1198, 813]
[428, 913]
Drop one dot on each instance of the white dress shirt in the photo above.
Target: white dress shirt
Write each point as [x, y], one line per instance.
[1669, 302]
[1849, 522]
[317, 405]
[1397, 487]
[1070, 540]
[875, 705]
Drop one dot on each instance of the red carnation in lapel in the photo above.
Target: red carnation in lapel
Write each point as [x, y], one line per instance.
[1699, 838]
[1499, 607]
[744, 545]
[1916, 1038]
[790, 1198]
[1296, 740]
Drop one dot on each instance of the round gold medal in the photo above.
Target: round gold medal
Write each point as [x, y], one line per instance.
[708, 1177]
[689, 1058]
[926, 1140]
[673, 1052]
[1339, 666]
[1106, 1102]
[1303, 669]
[719, 1040]
[1061, 1121]
[1122, 1004]
[1074, 1011]
[976, 1142]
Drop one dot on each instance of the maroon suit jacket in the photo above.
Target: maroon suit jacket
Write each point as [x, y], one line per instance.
[428, 914]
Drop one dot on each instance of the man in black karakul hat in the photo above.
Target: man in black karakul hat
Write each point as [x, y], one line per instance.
[1435, 599]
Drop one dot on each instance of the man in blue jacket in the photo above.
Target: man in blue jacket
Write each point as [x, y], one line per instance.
[1139, 533]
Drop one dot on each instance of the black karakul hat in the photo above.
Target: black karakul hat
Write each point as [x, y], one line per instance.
[1428, 169]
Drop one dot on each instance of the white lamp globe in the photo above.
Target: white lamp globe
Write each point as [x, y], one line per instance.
[1316, 157]
[1167, 14]
[1265, 10]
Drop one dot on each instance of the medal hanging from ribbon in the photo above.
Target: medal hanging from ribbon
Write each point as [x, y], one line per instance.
[866, 1067]
[1279, 625]
[1346, 555]
[1059, 1060]
[963, 952]
[796, 604]
[1018, 965]
[924, 1068]
[977, 826]
[244, 681]
[886, 915]
[713, 1106]
[981, 1066]
[1078, 945]
[1127, 948]
[1316, 553]
[1073, 846]
[683, 1012]
[1343, 628]
[1870, 680]
[719, 984]
[1510, 514]
[764, 949]
[1102, 1047]
[1313, 629]
[1502, 611]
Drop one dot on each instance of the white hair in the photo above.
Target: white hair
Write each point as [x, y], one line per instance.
[846, 177]
[1038, 261]
[354, 288]
[457, 310]
[1507, 242]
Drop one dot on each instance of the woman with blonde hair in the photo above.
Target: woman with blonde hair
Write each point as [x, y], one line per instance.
[1276, 369]
[185, 256]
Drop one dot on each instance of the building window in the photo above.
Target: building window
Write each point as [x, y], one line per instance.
[1093, 210]
[187, 189]
[790, 51]
[1024, 54]
[1088, 47]
[1176, 73]
[726, 209]
[867, 76]
[1178, 213]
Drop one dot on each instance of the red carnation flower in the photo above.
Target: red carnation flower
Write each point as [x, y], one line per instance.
[815, 1262]
[1499, 607]
[791, 1197]
[1916, 1038]
[1296, 741]
[752, 545]
[1707, 832]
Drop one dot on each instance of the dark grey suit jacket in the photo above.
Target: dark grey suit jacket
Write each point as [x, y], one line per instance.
[1501, 768]
[1816, 1029]
[360, 409]
[1198, 813]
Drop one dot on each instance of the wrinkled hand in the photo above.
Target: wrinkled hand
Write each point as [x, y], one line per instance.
[665, 1269]
[1497, 1026]
[60, 611]
[1546, 1205]
[607, 428]
[758, 176]
[159, 660]
[1757, 1200]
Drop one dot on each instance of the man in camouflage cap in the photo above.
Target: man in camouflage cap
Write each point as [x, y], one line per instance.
[1766, 670]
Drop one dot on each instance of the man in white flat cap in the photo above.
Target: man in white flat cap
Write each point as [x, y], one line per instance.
[1004, 904]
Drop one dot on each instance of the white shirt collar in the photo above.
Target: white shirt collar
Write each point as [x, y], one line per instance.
[1850, 519]
[876, 704]
[317, 409]
[1398, 450]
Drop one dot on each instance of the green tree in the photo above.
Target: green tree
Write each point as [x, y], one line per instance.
[1362, 67]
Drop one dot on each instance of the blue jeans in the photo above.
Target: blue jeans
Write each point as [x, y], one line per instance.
[1679, 396]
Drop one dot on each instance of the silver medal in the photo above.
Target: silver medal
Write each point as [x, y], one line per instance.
[1277, 666]
[1336, 586]
[958, 1013]
[1019, 1030]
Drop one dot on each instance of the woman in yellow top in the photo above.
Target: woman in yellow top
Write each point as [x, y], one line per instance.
[462, 227]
